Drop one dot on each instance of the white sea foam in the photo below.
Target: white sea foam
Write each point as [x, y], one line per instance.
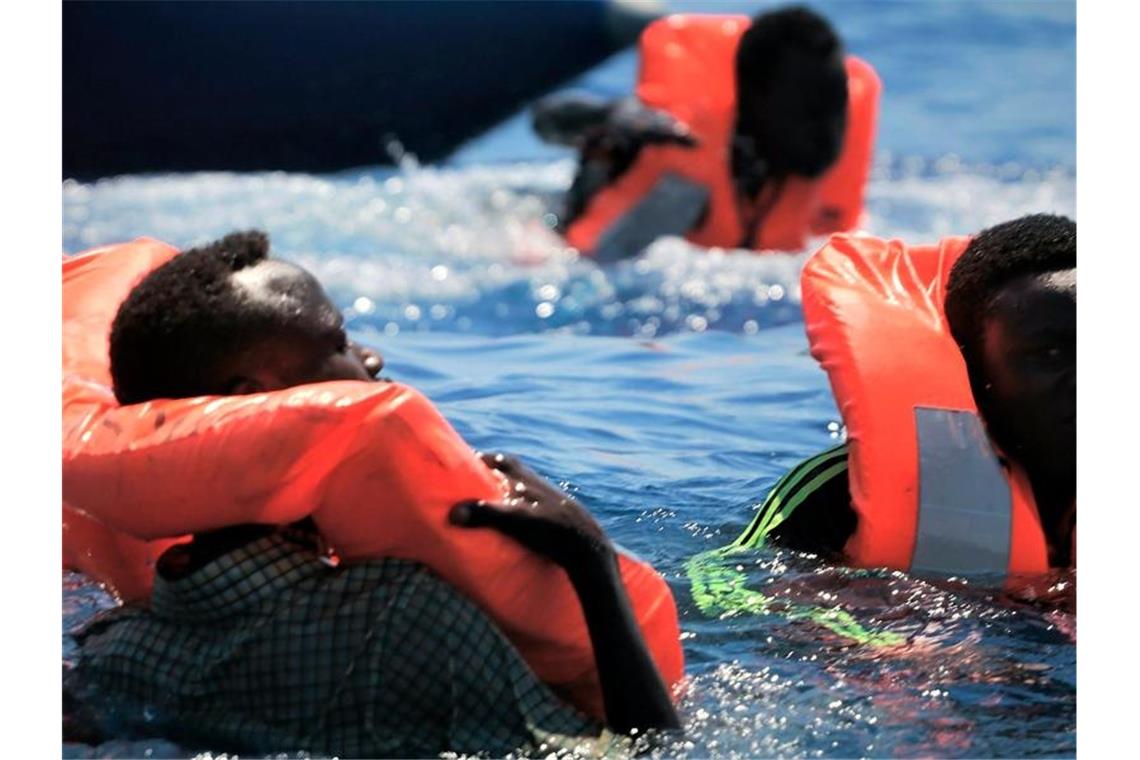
[470, 248]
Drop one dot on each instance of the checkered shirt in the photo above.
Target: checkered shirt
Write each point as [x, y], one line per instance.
[268, 649]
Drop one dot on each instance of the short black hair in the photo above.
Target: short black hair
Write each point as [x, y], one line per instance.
[1035, 244]
[792, 42]
[177, 326]
[771, 32]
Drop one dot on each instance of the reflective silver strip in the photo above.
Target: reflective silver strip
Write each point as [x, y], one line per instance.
[963, 497]
[671, 207]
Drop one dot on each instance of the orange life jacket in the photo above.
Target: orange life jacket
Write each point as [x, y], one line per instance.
[688, 69]
[375, 465]
[929, 490]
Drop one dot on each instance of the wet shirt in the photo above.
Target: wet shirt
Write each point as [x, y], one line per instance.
[809, 508]
[268, 649]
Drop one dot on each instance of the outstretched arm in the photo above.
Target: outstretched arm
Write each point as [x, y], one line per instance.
[549, 522]
[609, 136]
[576, 119]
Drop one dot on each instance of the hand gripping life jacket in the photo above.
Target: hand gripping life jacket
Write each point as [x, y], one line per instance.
[688, 69]
[375, 465]
[929, 490]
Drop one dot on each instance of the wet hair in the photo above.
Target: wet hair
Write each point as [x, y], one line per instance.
[1031, 245]
[175, 329]
[773, 32]
[774, 40]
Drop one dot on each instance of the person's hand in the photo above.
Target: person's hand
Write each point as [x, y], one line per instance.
[550, 523]
[633, 124]
[580, 120]
[539, 516]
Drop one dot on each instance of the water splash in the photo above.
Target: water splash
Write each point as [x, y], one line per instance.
[470, 249]
[455, 274]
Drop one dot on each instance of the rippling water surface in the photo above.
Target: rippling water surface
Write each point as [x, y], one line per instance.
[670, 392]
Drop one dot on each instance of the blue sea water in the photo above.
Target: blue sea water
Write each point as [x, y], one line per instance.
[670, 392]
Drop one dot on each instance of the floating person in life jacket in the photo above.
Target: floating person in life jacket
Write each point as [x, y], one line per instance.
[915, 341]
[743, 134]
[248, 610]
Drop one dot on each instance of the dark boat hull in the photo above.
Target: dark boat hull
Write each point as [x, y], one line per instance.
[308, 86]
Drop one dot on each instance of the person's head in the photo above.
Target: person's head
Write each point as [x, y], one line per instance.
[226, 319]
[1011, 304]
[791, 88]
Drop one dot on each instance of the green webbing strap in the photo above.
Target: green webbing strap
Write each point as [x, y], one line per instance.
[720, 590]
[788, 494]
[719, 586]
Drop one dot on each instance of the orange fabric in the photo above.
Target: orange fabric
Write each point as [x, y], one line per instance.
[688, 69]
[873, 310]
[1028, 551]
[842, 188]
[92, 293]
[375, 465]
[123, 563]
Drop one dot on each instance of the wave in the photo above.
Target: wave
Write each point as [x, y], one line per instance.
[470, 248]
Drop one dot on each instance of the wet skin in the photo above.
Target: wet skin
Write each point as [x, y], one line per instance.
[551, 523]
[309, 345]
[1029, 401]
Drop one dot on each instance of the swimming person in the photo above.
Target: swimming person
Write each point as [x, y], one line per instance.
[1010, 306]
[255, 640]
[752, 134]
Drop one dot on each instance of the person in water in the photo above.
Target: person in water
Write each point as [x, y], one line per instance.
[1011, 305]
[253, 643]
[791, 116]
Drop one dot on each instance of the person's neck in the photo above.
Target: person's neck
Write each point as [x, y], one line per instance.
[183, 559]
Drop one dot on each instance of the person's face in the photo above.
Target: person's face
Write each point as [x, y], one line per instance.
[310, 344]
[802, 114]
[1029, 356]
